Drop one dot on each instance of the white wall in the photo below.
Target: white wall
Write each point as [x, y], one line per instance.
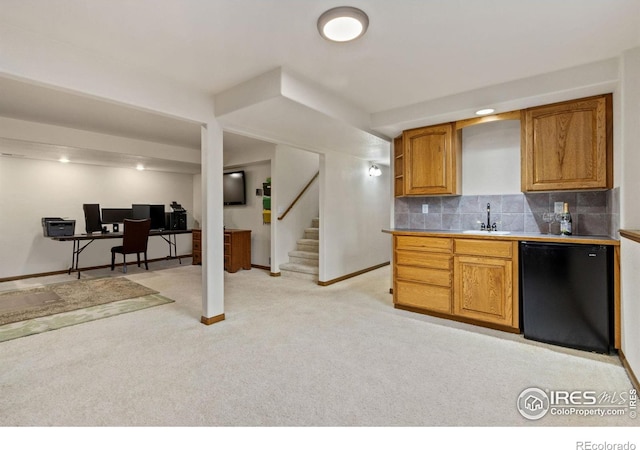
[249, 216]
[293, 169]
[256, 161]
[197, 200]
[290, 170]
[33, 189]
[629, 209]
[491, 158]
[354, 208]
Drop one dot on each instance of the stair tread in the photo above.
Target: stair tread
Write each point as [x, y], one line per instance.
[295, 267]
[304, 254]
[306, 262]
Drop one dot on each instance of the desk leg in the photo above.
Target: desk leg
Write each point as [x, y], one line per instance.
[175, 246]
[77, 263]
[172, 240]
[76, 253]
[78, 257]
[73, 256]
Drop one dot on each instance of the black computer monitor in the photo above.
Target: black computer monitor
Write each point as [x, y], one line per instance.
[141, 211]
[92, 219]
[156, 214]
[153, 212]
[116, 215]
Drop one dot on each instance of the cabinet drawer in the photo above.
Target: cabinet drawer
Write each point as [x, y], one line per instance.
[500, 249]
[196, 234]
[430, 276]
[435, 298]
[227, 238]
[432, 244]
[196, 259]
[197, 246]
[227, 249]
[424, 259]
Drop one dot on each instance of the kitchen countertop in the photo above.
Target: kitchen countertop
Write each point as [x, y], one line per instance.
[512, 236]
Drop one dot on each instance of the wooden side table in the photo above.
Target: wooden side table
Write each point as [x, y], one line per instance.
[196, 247]
[237, 250]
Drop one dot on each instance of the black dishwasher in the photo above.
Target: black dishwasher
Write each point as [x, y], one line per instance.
[566, 292]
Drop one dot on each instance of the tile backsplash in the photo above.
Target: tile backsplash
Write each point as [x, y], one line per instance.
[594, 213]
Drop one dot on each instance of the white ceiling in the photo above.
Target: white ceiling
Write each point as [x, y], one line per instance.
[414, 50]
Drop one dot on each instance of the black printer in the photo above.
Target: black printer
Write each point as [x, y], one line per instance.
[57, 226]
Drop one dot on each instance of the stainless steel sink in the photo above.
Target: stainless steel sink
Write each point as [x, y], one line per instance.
[500, 233]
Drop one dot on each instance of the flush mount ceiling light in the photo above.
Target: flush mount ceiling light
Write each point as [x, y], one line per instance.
[139, 167]
[343, 24]
[484, 112]
[374, 171]
[64, 159]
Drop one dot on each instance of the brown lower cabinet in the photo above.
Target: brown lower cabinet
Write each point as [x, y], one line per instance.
[485, 281]
[196, 245]
[237, 249]
[470, 280]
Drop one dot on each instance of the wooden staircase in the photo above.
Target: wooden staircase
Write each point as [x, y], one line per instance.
[304, 260]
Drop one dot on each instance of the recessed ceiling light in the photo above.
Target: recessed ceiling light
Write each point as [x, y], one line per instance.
[64, 159]
[343, 24]
[484, 112]
[140, 167]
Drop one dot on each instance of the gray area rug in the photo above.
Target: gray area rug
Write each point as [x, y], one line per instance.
[18, 306]
[65, 319]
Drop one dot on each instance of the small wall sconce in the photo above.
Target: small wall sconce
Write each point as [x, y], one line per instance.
[374, 171]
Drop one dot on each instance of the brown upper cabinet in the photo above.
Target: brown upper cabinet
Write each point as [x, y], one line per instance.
[568, 146]
[398, 153]
[430, 160]
[564, 146]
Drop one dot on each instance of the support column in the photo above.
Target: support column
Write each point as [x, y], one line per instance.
[212, 225]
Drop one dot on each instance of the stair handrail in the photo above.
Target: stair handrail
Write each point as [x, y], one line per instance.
[299, 195]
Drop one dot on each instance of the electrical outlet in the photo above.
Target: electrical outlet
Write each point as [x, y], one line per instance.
[425, 208]
[558, 207]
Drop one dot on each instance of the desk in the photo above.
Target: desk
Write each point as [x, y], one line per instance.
[168, 235]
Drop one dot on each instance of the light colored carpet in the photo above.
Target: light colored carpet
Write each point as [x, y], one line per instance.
[290, 353]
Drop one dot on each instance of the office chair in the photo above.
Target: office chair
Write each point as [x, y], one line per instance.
[134, 240]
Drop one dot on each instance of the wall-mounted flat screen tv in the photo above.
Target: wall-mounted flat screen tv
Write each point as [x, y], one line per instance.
[233, 186]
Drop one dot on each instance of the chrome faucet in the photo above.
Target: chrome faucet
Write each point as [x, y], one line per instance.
[489, 226]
